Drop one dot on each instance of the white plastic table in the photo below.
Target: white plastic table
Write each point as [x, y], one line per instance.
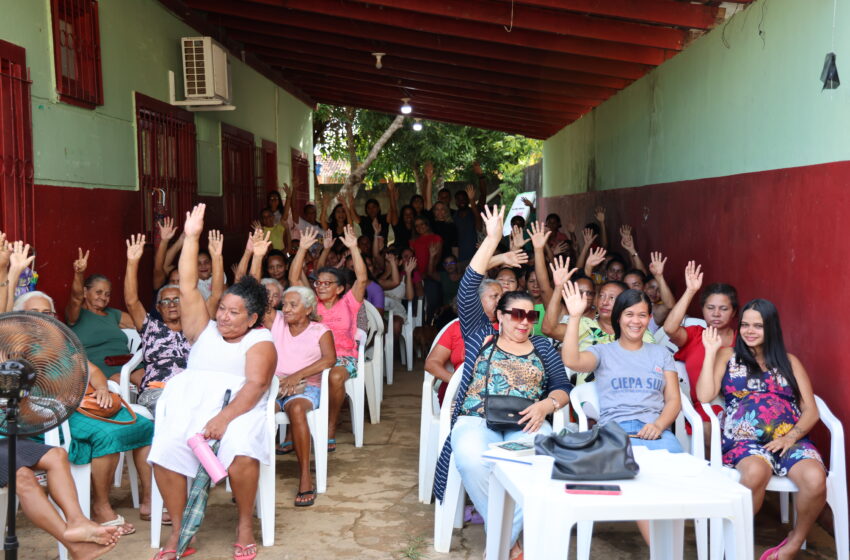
[669, 489]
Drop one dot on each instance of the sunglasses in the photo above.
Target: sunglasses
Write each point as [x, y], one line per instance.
[520, 314]
[322, 283]
[168, 301]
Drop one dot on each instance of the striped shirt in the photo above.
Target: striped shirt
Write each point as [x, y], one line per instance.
[475, 328]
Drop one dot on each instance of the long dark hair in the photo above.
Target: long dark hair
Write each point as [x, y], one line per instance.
[623, 302]
[775, 355]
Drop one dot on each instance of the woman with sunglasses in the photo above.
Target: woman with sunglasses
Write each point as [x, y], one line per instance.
[509, 361]
[338, 310]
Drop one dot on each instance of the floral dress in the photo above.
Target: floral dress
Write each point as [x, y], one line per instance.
[758, 411]
[517, 376]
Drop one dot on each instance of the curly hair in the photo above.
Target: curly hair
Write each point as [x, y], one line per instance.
[253, 294]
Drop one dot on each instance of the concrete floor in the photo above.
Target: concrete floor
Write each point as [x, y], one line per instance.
[371, 508]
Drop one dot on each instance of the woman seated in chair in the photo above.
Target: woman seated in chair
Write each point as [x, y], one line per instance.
[507, 362]
[229, 354]
[305, 347]
[338, 310]
[770, 409]
[99, 442]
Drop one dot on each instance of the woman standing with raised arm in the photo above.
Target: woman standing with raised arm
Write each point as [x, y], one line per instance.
[228, 354]
[505, 362]
[770, 409]
[338, 310]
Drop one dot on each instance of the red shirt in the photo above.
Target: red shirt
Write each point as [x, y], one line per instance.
[692, 352]
[420, 249]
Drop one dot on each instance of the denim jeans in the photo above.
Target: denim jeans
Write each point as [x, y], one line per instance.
[667, 440]
[470, 438]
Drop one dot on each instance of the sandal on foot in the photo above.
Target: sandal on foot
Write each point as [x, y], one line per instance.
[162, 552]
[247, 552]
[766, 555]
[331, 445]
[305, 503]
[120, 523]
[284, 448]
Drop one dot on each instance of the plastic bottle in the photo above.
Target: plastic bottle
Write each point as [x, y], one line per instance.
[208, 459]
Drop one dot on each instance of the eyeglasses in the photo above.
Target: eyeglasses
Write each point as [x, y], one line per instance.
[520, 314]
[168, 301]
[323, 283]
[450, 262]
[51, 313]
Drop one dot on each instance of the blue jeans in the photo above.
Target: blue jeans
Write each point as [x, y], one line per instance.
[667, 440]
[470, 438]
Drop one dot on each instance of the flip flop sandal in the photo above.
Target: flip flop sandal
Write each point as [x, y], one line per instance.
[331, 445]
[147, 517]
[119, 522]
[280, 450]
[306, 503]
[162, 552]
[771, 551]
[247, 552]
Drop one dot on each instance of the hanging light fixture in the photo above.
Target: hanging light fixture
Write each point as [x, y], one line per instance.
[417, 126]
[406, 109]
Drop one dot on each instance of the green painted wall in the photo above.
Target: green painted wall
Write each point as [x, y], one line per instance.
[139, 44]
[734, 101]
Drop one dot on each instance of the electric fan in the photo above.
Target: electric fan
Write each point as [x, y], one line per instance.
[43, 376]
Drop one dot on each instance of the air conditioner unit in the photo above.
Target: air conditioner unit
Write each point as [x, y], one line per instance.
[206, 70]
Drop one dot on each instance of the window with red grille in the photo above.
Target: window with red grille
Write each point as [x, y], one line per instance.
[300, 181]
[238, 177]
[16, 164]
[76, 47]
[168, 177]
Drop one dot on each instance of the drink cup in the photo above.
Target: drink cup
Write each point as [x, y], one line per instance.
[207, 457]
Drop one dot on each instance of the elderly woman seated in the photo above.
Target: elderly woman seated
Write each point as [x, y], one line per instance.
[228, 355]
[305, 347]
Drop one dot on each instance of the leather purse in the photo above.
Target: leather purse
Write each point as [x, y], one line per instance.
[601, 453]
[501, 412]
[89, 407]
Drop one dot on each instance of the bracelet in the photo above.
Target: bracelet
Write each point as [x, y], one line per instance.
[555, 402]
[4, 284]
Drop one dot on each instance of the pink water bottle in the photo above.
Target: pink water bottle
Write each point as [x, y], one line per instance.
[208, 459]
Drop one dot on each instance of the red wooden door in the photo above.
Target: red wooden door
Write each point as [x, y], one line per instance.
[300, 182]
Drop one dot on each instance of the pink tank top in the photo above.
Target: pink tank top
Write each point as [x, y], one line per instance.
[297, 352]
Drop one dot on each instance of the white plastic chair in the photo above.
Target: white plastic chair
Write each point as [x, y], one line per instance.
[80, 473]
[127, 456]
[449, 514]
[585, 394]
[389, 356]
[406, 338]
[129, 393]
[429, 426]
[265, 502]
[374, 362]
[355, 390]
[836, 479]
[694, 322]
[317, 420]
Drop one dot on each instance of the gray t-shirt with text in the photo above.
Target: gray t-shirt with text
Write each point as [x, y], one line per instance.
[630, 383]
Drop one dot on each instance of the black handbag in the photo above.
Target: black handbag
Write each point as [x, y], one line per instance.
[601, 453]
[501, 412]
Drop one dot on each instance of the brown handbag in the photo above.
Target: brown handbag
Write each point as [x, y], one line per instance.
[89, 407]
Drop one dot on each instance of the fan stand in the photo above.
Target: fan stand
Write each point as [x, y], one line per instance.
[10, 545]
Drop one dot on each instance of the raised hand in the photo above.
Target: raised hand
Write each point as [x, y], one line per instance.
[327, 240]
[391, 190]
[539, 235]
[194, 224]
[309, 237]
[711, 339]
[135, 247]
[693, 277]
[515, 258]
[595, 257]
[167, 229]
[434, 250]
[429, 169]
[287, 190]
[349, 239]
[5, 251]
[574, 300]
[470, 193]
[561, 272]
[18, 259]
[391, 259]
[571, 227]
[517, 238]
[410, 265]
[260, 242]
[656, 263]
[255, 225]
[82, 261]
[493, 221]
[376, 227]
[527, 202]
[626, 240]
[561, 248]
[215, 243]
[588, 236]
[599, 214]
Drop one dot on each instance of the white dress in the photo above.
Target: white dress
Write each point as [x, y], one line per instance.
[193, 397]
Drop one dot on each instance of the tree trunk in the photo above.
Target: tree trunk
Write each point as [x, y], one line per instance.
[357, 173]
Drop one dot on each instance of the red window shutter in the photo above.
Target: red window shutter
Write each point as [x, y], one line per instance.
[241, 206]
[16, 160]
[300, 181]
[76, 49]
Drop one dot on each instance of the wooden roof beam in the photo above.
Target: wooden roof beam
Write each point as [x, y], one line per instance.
[666, 12]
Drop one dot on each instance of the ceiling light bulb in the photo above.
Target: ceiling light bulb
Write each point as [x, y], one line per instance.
[417, 126]
[378, 56]
[406, 109]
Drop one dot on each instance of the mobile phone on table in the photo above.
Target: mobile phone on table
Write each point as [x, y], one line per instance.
[514, 448]
[598, 489]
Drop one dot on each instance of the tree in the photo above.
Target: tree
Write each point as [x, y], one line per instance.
[451, 149]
